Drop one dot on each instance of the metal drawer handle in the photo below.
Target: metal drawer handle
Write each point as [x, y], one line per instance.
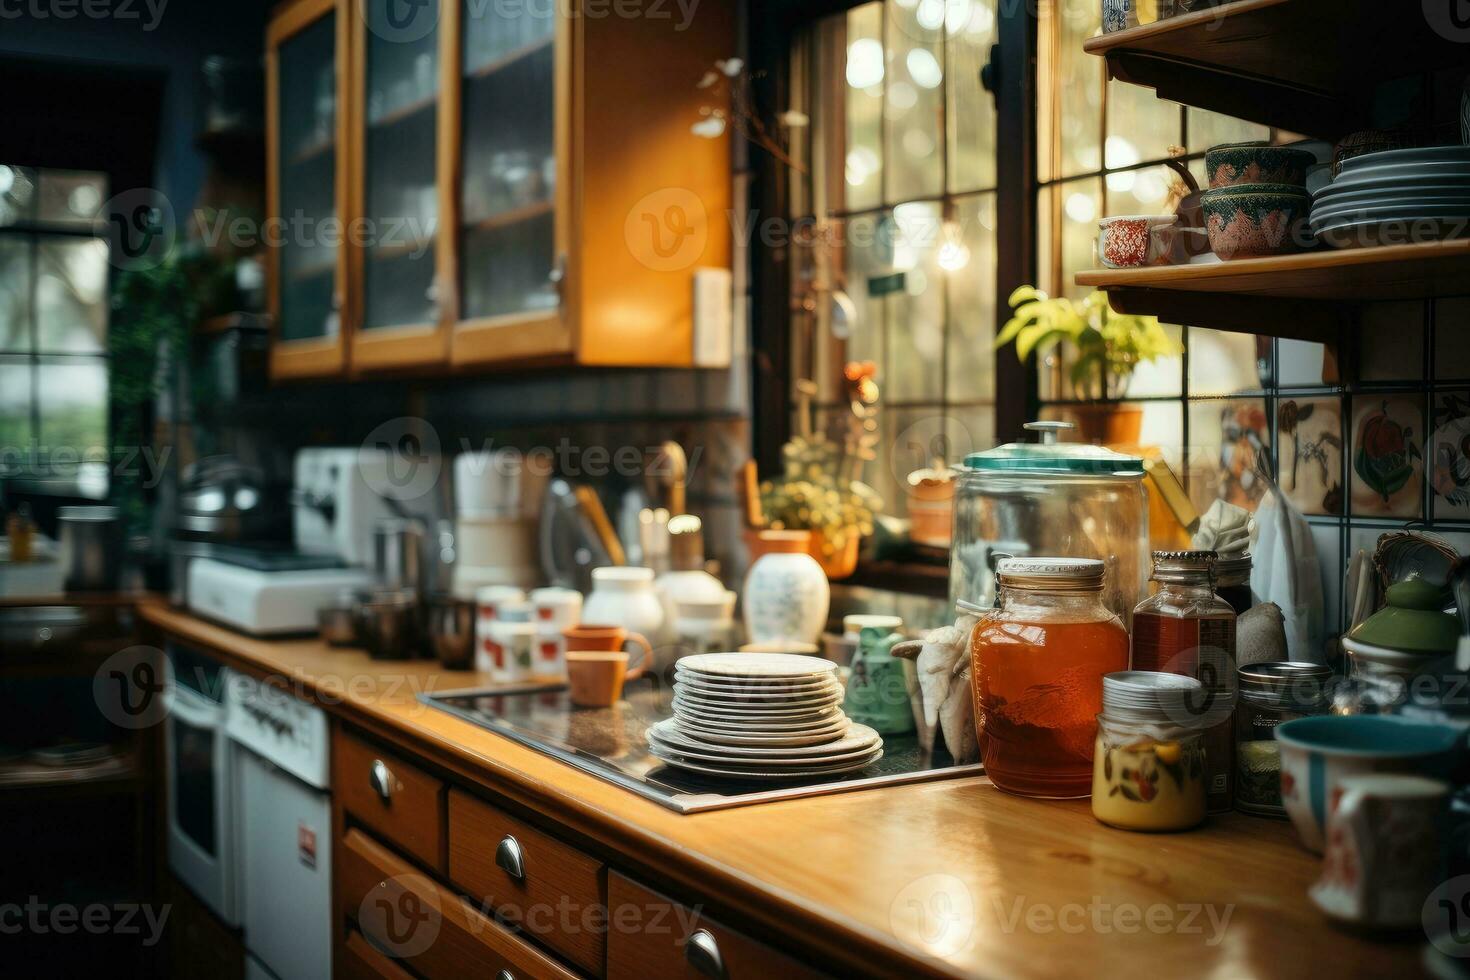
[703, 954]
[508, 858]
[381, 779]
[505, 975]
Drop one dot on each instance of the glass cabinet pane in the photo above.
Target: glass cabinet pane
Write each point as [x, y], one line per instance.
[508, 108]
[401, 80]
[307, 96]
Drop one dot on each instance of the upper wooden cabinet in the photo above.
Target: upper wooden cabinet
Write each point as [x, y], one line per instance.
[517, 183]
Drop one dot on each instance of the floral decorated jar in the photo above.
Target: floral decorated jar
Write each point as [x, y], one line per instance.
[1252, 220]
[1149, 761]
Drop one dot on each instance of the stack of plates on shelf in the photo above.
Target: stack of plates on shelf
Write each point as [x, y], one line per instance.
[1396, 197]
[761, 716]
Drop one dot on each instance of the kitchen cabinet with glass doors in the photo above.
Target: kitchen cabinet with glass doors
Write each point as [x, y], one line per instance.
[519, 184]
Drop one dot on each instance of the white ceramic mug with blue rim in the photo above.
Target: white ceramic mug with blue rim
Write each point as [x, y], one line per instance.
[1317, 752]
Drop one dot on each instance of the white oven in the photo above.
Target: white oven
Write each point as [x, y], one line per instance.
[201, 783]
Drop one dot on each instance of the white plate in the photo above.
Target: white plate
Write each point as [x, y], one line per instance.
[664, 749]
[765, 774]
[1438, 192]
[1388, 215]
[753, 685]
[762, 740]
[744, 724]
[1454, 153]
[785, 666]
[752, 693]
[753, 716]
[1378, 231]
[858, 738]
[1407, 205]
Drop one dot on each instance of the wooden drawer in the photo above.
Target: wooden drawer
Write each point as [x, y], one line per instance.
[401, 803]
[425, 925]
[651, 938]
[558, 896]
[358, 960]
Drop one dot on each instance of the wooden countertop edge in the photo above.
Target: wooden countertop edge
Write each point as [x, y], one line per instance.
[824, 929]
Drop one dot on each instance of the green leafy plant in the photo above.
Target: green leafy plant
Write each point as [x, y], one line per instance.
[1110, 346]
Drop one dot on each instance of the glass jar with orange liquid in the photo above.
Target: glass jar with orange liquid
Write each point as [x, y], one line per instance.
[1037, 664]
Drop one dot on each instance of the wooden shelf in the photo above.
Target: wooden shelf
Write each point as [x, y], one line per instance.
[513, 216]
[511, 57]
[397, 250]
[1295, 296]
[403, 112]
[315, 151]
[1304, 65]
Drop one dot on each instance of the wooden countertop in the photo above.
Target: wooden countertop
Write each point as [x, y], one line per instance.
[947, 878]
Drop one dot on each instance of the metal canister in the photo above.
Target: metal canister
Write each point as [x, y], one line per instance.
[1269, 694]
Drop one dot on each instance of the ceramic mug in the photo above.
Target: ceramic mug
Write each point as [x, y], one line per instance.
[511, 649]
[554, 609]
[1317, 753]
[1384, 853]
[595, 677]
[551, 651]
[597, 638]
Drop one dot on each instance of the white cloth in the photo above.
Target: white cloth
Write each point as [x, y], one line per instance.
[1285, 571]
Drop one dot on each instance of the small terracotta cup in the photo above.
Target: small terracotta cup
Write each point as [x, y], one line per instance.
[597, 664]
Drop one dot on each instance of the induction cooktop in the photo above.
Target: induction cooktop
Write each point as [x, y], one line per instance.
[610, 743]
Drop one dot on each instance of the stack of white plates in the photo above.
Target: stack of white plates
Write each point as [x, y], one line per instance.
[1396, 197]
[761, 716]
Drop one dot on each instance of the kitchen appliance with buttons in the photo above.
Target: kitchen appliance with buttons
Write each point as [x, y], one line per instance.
[282, 750]
[338, 496]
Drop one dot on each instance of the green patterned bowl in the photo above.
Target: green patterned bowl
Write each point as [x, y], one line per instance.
[1231, 164]
[1251, 220]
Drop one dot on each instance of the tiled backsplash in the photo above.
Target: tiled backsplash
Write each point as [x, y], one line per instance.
[1376, 440]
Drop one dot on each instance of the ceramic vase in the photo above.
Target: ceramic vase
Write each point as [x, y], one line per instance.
[786, 592]
[625, 596]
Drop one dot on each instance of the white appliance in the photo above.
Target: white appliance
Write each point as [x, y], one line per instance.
[200, 778]
[338, 497]
[264, 600]
[285, 831]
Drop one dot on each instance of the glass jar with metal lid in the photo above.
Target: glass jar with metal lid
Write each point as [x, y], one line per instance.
[1050, 498]
[1267, 695]
[1037, 662]
[1233, 581]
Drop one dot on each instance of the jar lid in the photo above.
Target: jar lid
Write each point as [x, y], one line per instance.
[1184, 566]
[1298, 680]
[1152, 697]
[1059, 458]
[622, 575]
[1051, 574]
[1227, 566]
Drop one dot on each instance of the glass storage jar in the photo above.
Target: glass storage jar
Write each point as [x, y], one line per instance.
[1149, 761]
[1037, 662]
[1050, 498]
[1185, 628]
[1270, 693]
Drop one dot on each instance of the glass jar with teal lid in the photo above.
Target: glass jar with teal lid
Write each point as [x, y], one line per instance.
[1051, 498]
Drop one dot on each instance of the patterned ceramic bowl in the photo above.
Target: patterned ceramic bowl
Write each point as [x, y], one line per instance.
[1257, 163]
[1250, 220]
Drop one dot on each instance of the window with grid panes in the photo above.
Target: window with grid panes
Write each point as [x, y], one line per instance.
[53, 323]
[898, 198]
[1101, 147]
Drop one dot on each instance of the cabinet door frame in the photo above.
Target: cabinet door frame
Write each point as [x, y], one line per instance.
[317, 356]
[515, 337]
[409, 345]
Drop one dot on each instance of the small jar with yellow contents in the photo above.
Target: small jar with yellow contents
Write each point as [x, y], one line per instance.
[1149, 761]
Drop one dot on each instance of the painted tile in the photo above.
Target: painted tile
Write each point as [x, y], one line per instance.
[1449, 456]
[1309, 433]
[1226, 438]
[1387, 463]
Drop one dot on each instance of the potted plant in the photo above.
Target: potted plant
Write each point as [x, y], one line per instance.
[1109, 347]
